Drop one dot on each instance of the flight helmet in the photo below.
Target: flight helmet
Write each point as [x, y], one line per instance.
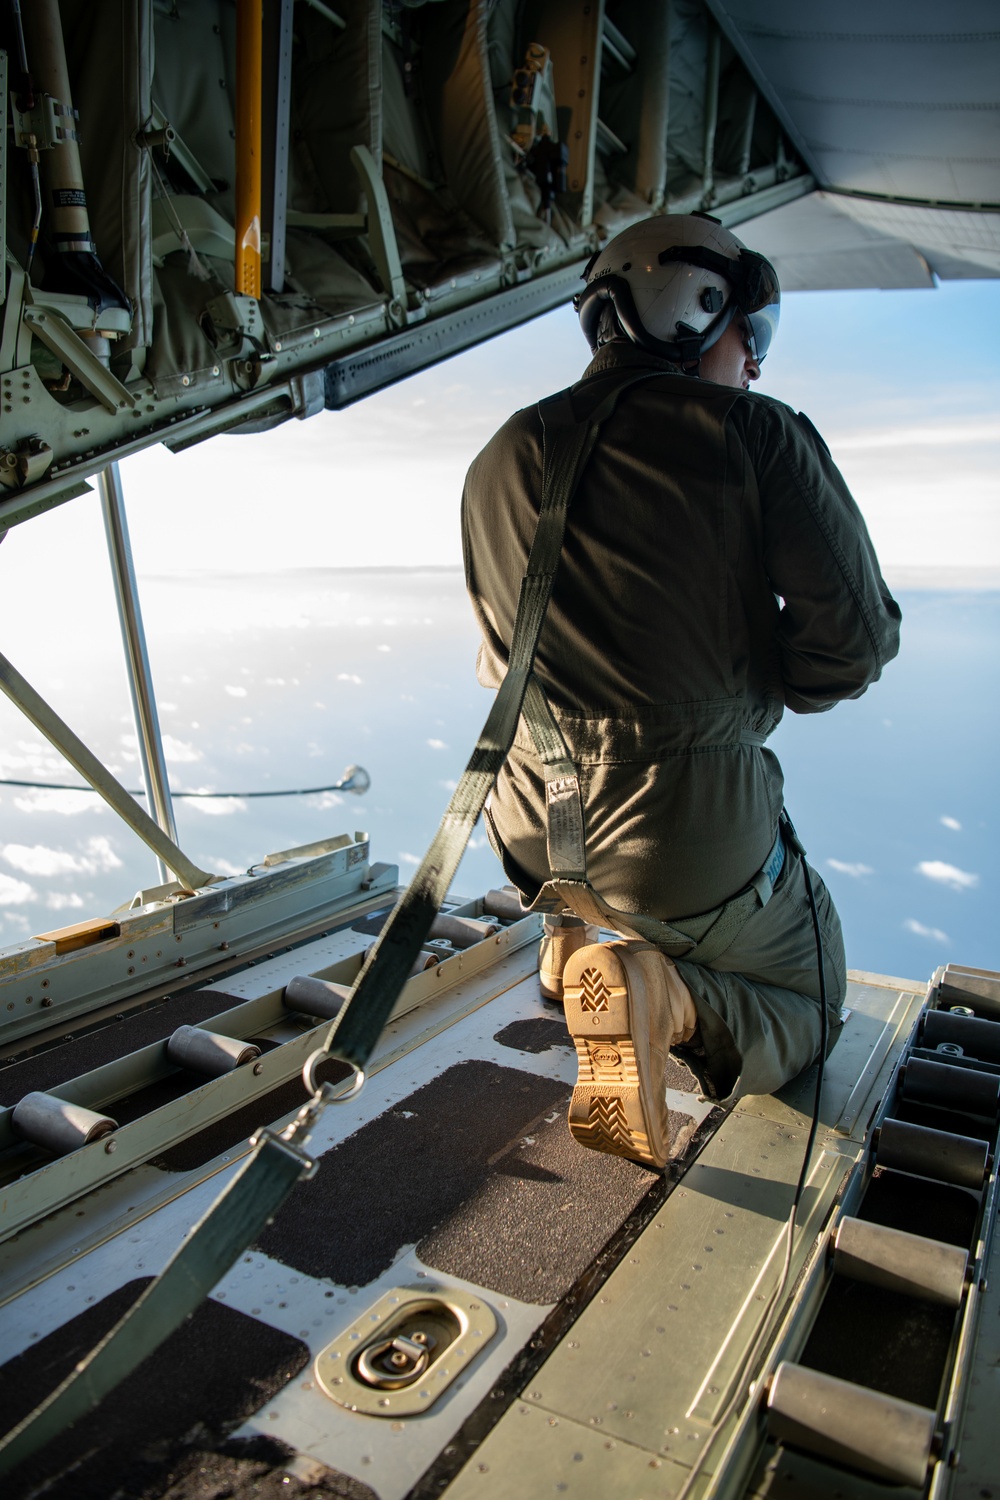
[676, 282]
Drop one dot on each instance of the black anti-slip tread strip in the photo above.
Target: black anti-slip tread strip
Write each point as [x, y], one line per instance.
[538, 1219]
[404, 1173]
[534, 1034]
[164, 1430]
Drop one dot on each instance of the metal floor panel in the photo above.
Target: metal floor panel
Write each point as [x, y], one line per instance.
[646, 1368]
[653, 1360]
[128, 1228]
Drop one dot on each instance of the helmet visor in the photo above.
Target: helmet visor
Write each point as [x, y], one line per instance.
[761, 328]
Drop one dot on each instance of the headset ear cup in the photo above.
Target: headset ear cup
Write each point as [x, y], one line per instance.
[589, 310]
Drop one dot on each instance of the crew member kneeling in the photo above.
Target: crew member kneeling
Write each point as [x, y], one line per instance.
[714, 570]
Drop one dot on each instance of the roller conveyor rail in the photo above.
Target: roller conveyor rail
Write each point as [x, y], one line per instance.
[903, 1261]
[66, 1135]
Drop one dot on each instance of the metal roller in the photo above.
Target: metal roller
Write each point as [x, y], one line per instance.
[976, 1037]
[947, 1087]
[57, 1125]
[932, 1153]
[316, 997]
[899, 1262]
[966, 987]
[850, 1424]
[208, 1052]
[462, 932]
[504, 903]
[424, 960]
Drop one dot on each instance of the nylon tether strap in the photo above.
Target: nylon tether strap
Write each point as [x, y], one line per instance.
[258, 1190]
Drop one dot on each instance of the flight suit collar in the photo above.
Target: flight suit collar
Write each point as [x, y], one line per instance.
[621, 355]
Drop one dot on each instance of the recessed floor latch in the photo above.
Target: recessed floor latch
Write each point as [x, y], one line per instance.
[397, 1358]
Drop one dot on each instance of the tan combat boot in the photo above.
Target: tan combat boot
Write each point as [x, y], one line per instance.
[562, 935]
[626, 1006]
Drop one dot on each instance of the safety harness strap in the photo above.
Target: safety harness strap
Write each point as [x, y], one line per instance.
[563, 801]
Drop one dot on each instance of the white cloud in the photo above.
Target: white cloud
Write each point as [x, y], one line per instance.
[437, 744]
[409, 859]
[383, 648]
[99, 855]
[179, 751]
[348, 677]
[854, 870]
[67, 803]
[40, 860]
[15, 892]
[63, 900]
[449, 786]
[37, 859]
[217, 807]
[15, 919]
[274, 682]
[934, 933]
[944, 874]
[951, 823]
[235, 692]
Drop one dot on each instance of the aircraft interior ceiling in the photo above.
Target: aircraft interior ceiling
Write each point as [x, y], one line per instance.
[219, 214]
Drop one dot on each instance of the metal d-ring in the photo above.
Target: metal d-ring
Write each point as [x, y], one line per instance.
[413, 1359]
[313, 1061]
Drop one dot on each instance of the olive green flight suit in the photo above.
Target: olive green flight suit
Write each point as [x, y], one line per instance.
[715, 569]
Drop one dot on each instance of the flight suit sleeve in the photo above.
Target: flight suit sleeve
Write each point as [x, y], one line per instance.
[838, 624]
